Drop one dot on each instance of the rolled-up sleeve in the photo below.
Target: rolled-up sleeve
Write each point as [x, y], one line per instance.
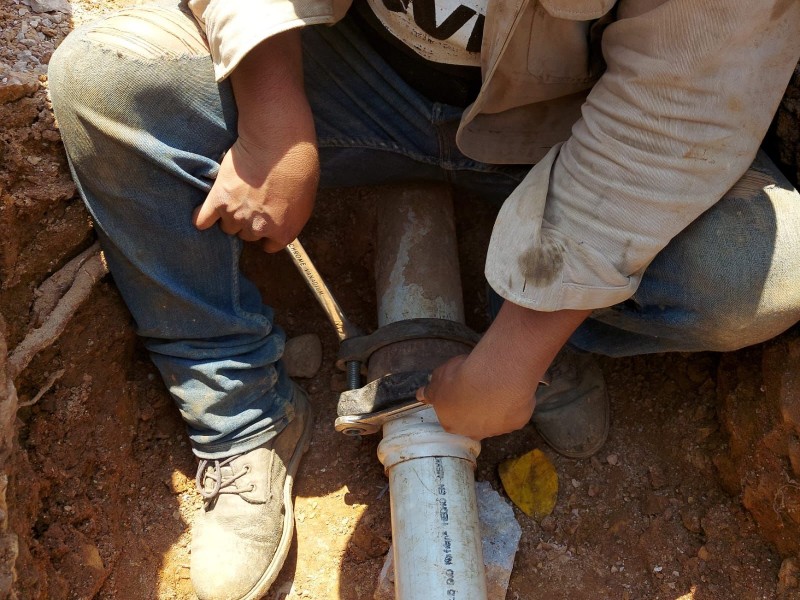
[689, 92]
[234, 27]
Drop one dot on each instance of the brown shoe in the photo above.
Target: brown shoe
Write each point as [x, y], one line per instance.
[572, 414]
[242, 536]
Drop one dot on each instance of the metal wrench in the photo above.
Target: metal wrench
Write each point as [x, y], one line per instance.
[343, 326]
[373, 422]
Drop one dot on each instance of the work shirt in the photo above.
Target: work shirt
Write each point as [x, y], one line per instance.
[638, 115]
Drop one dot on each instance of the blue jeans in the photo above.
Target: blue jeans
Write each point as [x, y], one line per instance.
[145, 127]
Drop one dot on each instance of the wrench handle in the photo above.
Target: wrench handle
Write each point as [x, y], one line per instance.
[344, 328]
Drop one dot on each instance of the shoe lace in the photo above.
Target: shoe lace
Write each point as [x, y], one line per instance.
[223, 483]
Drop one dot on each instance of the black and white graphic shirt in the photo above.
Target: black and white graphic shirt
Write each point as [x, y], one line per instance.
[441, 31]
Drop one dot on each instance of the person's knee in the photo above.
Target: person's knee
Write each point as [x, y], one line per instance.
[731, 329]
[149, 33]
[736, 305]
[737, 267]
[102, 55]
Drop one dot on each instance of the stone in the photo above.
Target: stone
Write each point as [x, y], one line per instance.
[41, 6]
[17, 85]
[654, 504]
[303, 356]
[657, 478]
[500, 535]
[788, 577]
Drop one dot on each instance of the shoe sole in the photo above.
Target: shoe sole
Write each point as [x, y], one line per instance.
[273, 570]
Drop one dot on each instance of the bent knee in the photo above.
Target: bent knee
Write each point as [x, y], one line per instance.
[147, 33]
[150, 33]
[731, 329]
[134, 52]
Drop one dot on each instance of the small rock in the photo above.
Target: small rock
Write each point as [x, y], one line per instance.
[593, 490]
[60, 6]
[703, 554]
[303, 356]
[17, 85]
[655, 504]
[548, 524]
[147, 413]
[788, 577]
[90, 557]
[657, 479]
[612, 459]
[691, 521]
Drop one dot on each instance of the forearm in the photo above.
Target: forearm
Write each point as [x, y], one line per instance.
[269, 91]
[519, 346]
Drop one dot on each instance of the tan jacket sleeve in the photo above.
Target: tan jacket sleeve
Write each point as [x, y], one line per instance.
[678, 116]
[234, 27]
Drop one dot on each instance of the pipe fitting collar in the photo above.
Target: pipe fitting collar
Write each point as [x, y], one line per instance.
[414, 439]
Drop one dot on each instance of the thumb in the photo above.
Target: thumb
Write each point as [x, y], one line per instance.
[420, 395]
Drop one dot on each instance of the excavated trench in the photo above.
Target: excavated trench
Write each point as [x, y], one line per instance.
[695, 496]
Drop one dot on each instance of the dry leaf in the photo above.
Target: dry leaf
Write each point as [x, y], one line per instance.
[531, 482]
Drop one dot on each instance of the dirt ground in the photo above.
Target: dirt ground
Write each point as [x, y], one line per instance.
[101, 482]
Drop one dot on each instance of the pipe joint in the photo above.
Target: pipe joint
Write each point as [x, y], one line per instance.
[413, 437]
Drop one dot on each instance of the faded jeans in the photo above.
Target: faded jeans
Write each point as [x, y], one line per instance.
[145, 126]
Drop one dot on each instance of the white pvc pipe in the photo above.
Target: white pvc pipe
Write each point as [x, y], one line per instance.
[435, 532]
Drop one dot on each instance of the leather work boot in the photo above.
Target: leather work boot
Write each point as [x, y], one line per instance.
[242, 536]
[572, 414]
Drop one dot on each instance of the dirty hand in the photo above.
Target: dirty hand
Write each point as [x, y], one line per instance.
[492, 390]
[264, 192]
[267, 181]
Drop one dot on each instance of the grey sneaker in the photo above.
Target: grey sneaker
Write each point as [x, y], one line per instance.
[242, 536]
[572, 414]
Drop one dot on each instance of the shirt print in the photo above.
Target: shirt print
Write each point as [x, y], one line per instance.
[443, 31]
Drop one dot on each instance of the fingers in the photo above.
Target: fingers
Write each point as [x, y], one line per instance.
[205, 215]
[443, 382]
[272, 246]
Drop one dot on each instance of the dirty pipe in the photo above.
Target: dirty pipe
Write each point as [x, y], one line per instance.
[435, 532]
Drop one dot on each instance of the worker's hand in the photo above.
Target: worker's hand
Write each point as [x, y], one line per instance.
[473, 397]
[264, 192]
[267, 181]
[492, 390]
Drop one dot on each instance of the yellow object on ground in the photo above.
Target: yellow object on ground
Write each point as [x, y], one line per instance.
[531, 482]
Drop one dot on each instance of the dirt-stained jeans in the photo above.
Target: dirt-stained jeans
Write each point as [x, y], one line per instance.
[145, 126]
